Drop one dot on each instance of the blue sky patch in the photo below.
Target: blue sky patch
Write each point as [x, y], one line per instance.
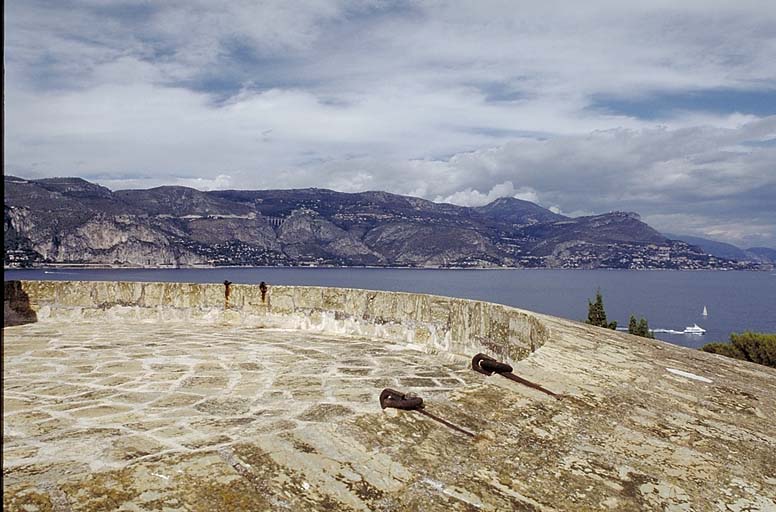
[666, 105]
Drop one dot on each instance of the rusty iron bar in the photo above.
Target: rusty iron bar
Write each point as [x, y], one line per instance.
[445, 422]
[488, 366]
[516, 378]
[398, 400]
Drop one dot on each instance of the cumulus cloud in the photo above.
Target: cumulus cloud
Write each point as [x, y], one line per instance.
[471, 197]
[663, 108]
[220, 182]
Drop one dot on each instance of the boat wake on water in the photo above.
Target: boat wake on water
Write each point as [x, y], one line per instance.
[695, 329]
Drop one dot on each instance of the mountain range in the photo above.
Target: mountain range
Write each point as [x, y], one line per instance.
[74, 221]
[728, 251]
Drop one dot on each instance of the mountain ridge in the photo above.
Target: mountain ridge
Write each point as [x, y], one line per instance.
[74, 221]
[728, 251]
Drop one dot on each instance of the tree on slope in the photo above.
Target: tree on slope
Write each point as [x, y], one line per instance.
[596, 315]
[643, 329]
[633, 325]
[639, 327]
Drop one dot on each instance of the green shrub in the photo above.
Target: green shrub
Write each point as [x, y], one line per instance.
[724, 349]
[757, 347]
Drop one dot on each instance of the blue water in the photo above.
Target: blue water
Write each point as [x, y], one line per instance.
[736, 301]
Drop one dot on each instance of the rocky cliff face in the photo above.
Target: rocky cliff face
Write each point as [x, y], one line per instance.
[305, 235]
[69, 220]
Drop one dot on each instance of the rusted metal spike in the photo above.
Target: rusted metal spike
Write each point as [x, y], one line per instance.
[398, 400]
[476, 364]
[446, 423]
[512, 376]
[488, 366]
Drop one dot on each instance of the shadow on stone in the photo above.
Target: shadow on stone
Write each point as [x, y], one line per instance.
[16, 305]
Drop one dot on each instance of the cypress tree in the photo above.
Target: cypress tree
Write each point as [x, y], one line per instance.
[643, 329]
[633, 326]
[596, 315]
[639, 327]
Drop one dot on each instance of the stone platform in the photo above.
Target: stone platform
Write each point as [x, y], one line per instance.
[106, 412]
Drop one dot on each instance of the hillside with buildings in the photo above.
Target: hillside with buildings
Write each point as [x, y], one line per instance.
[73, 221]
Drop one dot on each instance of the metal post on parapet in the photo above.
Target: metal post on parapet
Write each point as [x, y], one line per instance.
[227, 292]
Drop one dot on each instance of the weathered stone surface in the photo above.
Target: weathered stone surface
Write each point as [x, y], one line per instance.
[134, 413]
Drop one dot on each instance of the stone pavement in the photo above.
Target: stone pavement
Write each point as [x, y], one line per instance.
[81, 398]
[205, 416]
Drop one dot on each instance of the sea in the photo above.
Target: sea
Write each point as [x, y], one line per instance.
[736, 301]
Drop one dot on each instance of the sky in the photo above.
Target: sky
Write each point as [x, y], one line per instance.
[666, 109]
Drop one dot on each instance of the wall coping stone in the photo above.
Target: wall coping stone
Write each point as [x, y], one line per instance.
[455, 326]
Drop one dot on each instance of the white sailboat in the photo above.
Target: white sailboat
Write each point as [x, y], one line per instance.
[705, 312]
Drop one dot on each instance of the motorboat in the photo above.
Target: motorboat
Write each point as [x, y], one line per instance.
[695, 329]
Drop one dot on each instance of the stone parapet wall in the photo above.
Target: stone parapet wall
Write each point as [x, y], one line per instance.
[455, 326]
